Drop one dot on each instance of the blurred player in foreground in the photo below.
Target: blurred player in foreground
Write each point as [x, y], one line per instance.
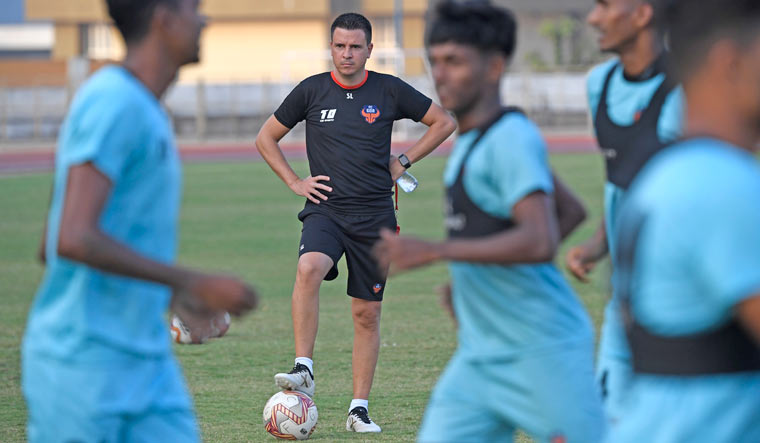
[525, 354]
[637, 109]
[689, 244]
[96, 356]
[349, 115]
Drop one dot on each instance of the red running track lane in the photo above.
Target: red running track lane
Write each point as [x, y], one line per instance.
[42, 160]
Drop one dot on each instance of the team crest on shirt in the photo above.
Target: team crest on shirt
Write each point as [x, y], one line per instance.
[609, 153]
[377, 287]
[370, 113]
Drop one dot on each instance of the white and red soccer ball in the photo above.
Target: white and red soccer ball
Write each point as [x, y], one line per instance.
[290, 415]
[182, 334]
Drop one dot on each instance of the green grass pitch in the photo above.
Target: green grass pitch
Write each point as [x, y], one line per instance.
[238, 217]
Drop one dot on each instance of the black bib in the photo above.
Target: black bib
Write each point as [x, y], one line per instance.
[728, 349]
[626, 149]
[464, 219]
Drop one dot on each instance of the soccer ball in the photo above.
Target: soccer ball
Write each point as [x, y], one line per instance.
[181, 333]
[290, 415]
[222, 324]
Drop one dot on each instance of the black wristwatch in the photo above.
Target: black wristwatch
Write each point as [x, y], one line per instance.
[404, 160]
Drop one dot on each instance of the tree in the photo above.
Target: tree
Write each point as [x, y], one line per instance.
[558, 30]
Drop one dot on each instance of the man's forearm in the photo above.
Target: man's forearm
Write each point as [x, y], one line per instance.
[533, 239]
[96, 249]
[518, 245]
[433, 137]
[597, 244]
[440, 127]
[271, 153]
[570, 210]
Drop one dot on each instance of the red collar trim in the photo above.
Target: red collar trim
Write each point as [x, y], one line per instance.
[335, 79]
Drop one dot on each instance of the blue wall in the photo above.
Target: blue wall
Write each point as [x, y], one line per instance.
[11, 11]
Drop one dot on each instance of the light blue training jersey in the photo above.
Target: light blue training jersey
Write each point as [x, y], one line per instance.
[504, 310]
[83, 314]
[697, 257]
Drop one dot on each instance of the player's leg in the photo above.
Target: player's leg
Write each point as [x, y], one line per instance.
[319, 251]
[366, 285]
[312, 269]
[366, 317]
[459, 410]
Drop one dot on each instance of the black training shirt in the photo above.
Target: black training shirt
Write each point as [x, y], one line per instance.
[348, 134]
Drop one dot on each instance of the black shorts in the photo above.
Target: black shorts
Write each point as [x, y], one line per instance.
[334, 234]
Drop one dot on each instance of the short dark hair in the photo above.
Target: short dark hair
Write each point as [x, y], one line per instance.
[693, 28]
[474, 23]
[351, 21]
[132, 17]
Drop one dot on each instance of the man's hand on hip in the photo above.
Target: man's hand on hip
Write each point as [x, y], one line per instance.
[396, 169]
[309, 187]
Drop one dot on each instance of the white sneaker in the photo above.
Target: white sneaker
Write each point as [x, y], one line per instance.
[298, 379]
[359, 421]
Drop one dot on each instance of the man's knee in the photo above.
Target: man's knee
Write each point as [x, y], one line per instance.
[366, 314]
[313, 266]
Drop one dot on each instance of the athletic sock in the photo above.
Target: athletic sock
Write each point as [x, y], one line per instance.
[359, 402]
[306, 361]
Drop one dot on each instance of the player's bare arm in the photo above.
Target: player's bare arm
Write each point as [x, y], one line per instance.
[446, 302]
[440, 126]
[748, 312]
[267, 143]
[581, 260]
[80, 239]
[533, 239]
[570, 210]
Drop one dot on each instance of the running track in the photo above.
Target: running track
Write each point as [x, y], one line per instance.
[42, 160]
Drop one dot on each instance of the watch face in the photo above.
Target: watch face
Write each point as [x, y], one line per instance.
[404, 160]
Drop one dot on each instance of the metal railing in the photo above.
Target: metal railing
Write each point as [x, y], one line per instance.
[236, 110]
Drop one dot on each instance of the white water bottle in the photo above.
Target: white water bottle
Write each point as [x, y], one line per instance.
[407, 182]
